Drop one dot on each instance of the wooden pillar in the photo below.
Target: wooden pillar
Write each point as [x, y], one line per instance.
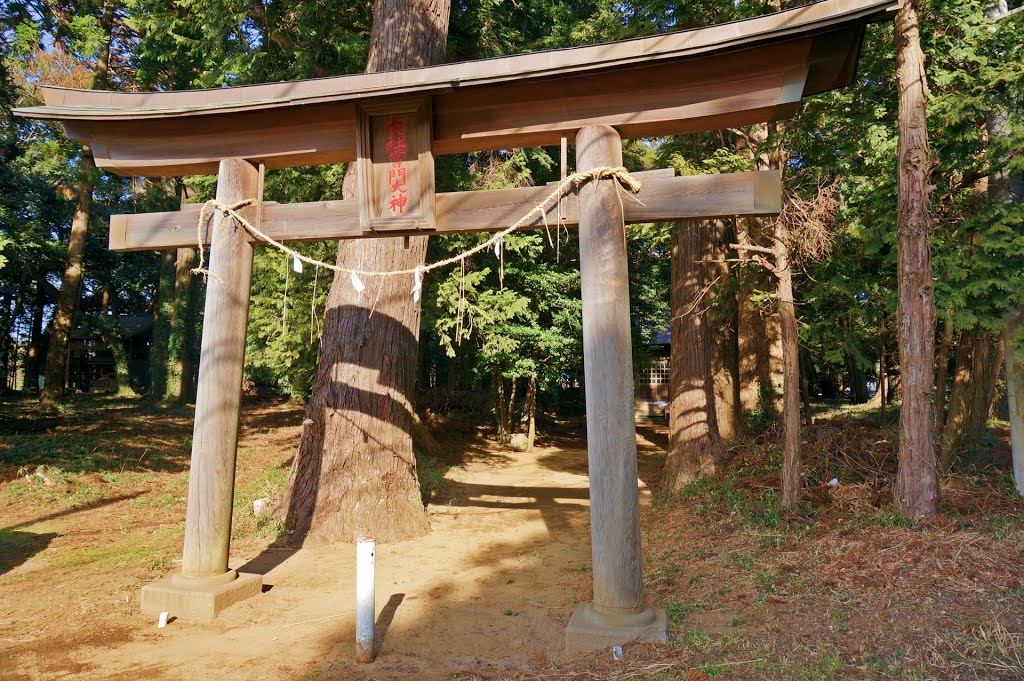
[618, 608]
[211, 482]
[205, 584]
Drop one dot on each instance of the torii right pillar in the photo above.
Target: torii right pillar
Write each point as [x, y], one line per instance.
[618, 614]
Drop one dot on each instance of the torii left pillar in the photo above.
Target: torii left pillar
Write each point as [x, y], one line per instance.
[206, 585]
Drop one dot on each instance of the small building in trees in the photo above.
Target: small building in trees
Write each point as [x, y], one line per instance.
[651, 386]
[91, 362]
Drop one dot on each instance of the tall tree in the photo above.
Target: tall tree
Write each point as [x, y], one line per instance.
[917, 482]
[163, 312]
[355, 472]
[71, 281]
[695, 446]
[791, 476]
[181, 348]
[725, 352]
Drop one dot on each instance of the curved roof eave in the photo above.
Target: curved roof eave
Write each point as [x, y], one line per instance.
[67, 104]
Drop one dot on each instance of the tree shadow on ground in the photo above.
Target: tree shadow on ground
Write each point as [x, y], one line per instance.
[77, 509]
[571, 457]
[17, 547]
[267, 415]
[559, 506]
[97, 435]
[496, 615]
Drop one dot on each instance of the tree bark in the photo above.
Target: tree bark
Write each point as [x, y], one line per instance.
[761, 361]
[71, 283]
[70, 289]
[695, 447]
[163, 308]
[979, 359]
[725, 351]
[791, 475]
[180, 358]
[355, 473]
[917, 482]
[858, 380]
[1012, 333]
[941, 370]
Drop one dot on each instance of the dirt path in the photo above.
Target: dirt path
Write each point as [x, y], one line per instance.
[486, 594]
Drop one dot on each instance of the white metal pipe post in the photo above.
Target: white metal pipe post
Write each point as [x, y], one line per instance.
[365, 557]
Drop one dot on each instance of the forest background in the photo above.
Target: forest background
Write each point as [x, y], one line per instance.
[502, 339]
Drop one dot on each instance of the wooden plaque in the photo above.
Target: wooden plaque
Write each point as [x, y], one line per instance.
[396, 166]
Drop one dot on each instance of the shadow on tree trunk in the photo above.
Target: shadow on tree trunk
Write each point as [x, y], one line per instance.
[354, 473]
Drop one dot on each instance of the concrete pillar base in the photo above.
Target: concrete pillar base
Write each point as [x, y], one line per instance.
[591, 630]
[198, 600]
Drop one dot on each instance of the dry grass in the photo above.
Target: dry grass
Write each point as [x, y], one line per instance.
[842, 588]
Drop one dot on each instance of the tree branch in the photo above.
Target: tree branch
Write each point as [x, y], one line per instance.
[751, 247]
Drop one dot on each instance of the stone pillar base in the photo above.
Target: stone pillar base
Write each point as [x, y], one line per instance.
[198, 600]
[592, 630]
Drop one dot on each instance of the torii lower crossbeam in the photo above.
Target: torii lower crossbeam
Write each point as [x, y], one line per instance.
[662, 197]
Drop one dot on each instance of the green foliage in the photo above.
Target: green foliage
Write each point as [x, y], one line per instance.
[431, 474]
[286, 319]
[505, 320]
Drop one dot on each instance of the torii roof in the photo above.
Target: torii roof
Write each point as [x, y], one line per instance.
[703, 79]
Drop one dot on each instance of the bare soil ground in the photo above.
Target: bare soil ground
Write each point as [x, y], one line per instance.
[92, 505]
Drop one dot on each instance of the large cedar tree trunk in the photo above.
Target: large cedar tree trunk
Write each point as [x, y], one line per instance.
[163, 310]
[70, 289]
[979, 359]
[761, 362]
[695, 447]
[725, 351]
[917, 481]
[354, 473]
[74, 273]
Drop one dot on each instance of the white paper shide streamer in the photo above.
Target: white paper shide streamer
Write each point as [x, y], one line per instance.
[357, 283]
[417, 286]
[297, 265]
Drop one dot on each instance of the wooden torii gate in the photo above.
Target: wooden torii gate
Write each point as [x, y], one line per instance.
[392, 124]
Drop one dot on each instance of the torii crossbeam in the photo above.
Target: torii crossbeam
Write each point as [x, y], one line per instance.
[392, 124]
